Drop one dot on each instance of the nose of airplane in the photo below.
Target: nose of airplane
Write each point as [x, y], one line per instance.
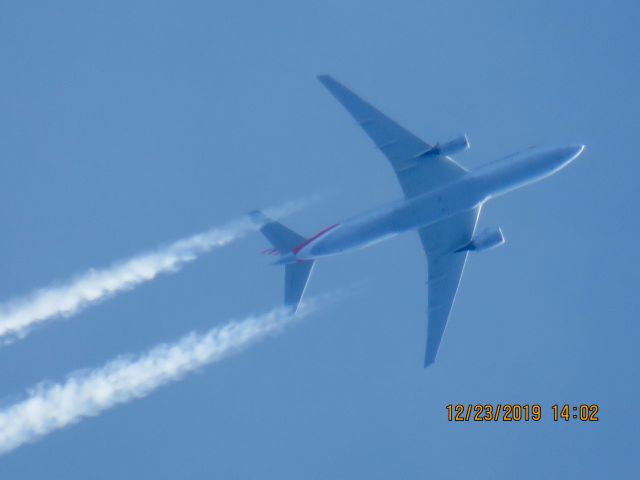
[574, 150]
[560, 157]
[570, 153]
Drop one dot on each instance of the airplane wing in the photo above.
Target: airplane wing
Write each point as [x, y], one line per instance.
[416, 173]
[445, 269]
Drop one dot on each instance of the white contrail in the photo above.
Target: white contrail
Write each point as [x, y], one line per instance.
[19, 315]
[51, 407]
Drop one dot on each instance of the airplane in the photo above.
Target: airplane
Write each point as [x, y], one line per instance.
[442, 202]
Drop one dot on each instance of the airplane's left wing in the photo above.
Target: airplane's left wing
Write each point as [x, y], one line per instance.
[445, 270]
[418, 170]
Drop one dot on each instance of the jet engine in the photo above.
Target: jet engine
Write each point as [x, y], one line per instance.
[450, 147]
[489, 238]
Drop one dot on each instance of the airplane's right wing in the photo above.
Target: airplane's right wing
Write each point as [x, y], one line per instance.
[416, 172]
[445, 266]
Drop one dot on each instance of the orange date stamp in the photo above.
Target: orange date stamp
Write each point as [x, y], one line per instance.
[520, 412]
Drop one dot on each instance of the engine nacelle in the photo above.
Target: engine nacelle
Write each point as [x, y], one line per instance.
[455, 145]
[484, 240]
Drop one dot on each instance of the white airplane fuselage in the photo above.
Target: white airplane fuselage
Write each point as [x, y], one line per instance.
[469, 192]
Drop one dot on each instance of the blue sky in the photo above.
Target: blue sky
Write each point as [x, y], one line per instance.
[131, 124]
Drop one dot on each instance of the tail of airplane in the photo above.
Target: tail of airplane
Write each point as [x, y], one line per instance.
[296, 272]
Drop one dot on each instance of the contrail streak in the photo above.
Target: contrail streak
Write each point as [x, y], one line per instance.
[19, 315]
[84, 394]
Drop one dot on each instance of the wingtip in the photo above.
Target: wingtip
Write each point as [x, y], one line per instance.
[429, 359]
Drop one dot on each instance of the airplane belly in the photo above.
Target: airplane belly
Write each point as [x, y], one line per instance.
[347, 238]
[391, 220]
[360, 232]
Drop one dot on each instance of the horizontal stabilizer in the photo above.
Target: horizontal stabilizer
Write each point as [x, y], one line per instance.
[296, 276]
[282, 238]
[296, 272]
